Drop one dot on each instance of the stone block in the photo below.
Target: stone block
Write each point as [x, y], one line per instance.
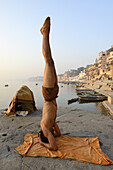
[97, 86]
[106, 88]
[110, 99]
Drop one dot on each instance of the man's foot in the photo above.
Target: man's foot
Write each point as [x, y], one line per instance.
[46, 26]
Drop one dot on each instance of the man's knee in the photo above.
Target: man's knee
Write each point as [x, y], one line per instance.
[50, 62]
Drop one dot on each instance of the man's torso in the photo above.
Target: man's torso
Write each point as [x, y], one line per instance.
[49, 114]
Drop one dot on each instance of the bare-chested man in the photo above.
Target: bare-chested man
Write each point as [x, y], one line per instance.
[49, 128]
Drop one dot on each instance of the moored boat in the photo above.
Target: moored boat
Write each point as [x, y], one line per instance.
[77, 85]
[92, 98]
[88, 93]
[72, 100]
[83, 89]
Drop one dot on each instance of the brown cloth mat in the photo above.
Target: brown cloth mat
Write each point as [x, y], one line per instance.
[81, 149]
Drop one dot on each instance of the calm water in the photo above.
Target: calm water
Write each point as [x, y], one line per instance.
[65, 93]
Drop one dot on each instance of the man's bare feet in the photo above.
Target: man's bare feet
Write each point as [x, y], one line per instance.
[46, 26]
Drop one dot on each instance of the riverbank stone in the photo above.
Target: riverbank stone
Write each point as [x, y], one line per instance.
[72, 121]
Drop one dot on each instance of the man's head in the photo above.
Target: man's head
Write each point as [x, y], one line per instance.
[43, 138]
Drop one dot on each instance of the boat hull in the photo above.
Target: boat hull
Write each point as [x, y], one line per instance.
[92, 98]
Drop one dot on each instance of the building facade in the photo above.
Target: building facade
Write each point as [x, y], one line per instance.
[110, 62]
[102, 61]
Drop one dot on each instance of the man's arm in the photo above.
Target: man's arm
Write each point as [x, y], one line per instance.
[56, 130]
[52, 144]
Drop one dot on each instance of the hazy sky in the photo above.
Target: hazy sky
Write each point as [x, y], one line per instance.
[80, 29]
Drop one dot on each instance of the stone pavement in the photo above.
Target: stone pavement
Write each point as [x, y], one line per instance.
[71, 121]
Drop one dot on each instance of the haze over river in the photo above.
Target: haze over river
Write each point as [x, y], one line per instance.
[65, 93]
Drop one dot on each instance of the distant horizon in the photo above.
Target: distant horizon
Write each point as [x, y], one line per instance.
[37, 76]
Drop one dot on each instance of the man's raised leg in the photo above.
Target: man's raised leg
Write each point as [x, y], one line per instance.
[50, 78]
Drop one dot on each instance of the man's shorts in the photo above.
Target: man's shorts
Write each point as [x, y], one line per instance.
[50, 93]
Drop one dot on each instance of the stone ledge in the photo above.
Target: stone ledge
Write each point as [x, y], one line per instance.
[108, 106]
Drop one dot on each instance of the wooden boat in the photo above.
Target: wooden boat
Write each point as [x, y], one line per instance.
[75, 86]
[84, 92]
[79, 85]
[72, 100]
[92, 98]
[88, 93]
[82, 89]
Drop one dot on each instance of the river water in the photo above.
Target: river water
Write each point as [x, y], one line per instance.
[65, 93]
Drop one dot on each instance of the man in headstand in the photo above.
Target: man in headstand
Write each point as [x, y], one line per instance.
[49, 128]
